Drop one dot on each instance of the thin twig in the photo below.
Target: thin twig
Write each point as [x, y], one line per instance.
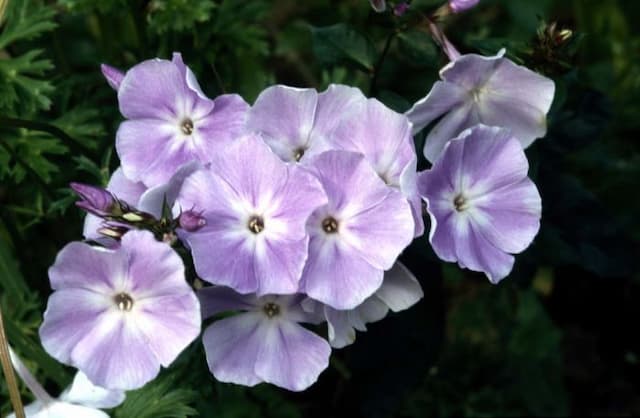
[218, 78]
[9, 376]
[373, 87]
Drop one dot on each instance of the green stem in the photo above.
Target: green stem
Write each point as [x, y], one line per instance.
[373, 87]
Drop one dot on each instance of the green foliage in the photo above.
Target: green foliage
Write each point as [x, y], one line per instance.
[178, 15]
[342, 44]
[158, 399]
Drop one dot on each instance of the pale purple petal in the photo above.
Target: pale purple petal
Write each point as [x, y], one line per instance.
[70, 315]
[400, 290]
[115, 353]
[152, 200]
[337, 103]
[381, 135]
[409, 188]
[151, 151]
[66, 410]
[471, 71]
[341, 332]
[337, 275]
[84, 392]
[224, 124]
[511, 216]
[290, 356]
[285, 117]
[217, 299]
[169, 323]
[442, 98]
[83, 266]
[448, 128]
[154, 268]
[188, 75]
[113, 75]
[157, 89]
[232, 346]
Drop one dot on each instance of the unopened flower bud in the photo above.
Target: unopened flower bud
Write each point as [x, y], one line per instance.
[400, 8]
[95, 200]
[458, 6]
[191, 221]
[113, 75]
[378, 5]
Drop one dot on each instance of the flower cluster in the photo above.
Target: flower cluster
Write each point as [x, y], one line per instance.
[293, 211]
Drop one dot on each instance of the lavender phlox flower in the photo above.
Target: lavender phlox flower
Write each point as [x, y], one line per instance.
[81, 400]
[113, 75]
[357, 235]
[489, 90]
[255, 207]
[170, 122]
[95, 200]
[384, 138]
[297, 123]
[119, 314]
[482, 205]
[399, 291]
[458, 6]
[264, 343]
[378, 5]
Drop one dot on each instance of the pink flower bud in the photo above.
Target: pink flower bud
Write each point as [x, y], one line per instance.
[458, 6]
[191, 221]
[95, 200]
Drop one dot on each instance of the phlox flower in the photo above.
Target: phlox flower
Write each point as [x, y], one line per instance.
[482, 205]
[297, 123]
[255, 207]
[263, 343]
[458, 6]
[118, 314]
[384, 138]
[357, 235]
[81, 400]
[489, 90]
[170, 121]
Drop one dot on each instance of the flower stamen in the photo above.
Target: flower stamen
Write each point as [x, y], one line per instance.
[123, 301]
[186, 126]
[330, 225]
[271, 309]
[255, 224]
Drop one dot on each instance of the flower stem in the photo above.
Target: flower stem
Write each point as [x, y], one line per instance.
[373, 87]
[9, 376]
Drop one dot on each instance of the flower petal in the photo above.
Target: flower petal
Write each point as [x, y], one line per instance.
[84, 392]
[337, 275]
[217, 299]
[79, 265]
[232, 346]
[291, 356]
[449, 127]
[115, 354]
[443, 97]
[400, 290]
[155, 269]
[169, 324]
[284, 116]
